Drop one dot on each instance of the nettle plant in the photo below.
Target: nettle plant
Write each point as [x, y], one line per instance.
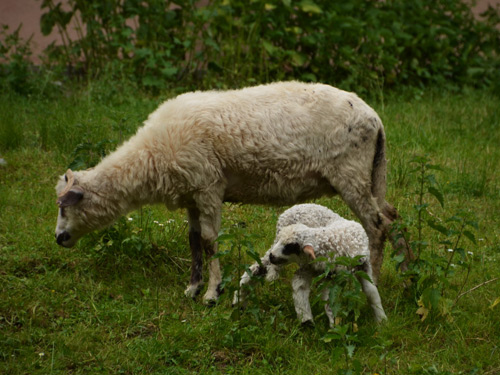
[346, 300]
[433, 273]
[234, 242]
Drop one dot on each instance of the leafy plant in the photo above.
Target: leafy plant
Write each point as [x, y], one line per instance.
[15, 66]
[432, 270]
[238, 240]
[345, 300]
[361, 45]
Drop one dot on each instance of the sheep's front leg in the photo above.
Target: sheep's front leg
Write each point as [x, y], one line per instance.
[196, 281]
[210, 220]
[214, 275]
[301, 285]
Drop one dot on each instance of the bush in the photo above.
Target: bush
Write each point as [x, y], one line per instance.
[357, 45]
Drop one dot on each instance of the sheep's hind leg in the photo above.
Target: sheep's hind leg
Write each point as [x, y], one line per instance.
[360, 200]
[373, 296]
[397, 236]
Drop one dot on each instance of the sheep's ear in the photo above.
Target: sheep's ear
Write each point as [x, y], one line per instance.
[72, 197]
[308, 249]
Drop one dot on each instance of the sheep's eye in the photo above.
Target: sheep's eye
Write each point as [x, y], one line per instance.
[291, 248]
[62, 212]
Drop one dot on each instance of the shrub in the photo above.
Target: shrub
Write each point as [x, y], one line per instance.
[355, 45]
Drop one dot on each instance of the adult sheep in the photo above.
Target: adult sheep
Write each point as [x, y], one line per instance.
[276, 144]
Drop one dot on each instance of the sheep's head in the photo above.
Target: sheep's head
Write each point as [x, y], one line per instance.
[71, 223]
[292, 247]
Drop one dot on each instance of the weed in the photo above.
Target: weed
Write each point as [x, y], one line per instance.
[431, 271]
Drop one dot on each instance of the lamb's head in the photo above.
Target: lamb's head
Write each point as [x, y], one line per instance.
[292, 245]
[76, 209]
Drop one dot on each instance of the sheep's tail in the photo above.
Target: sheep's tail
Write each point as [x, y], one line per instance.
[397, 237]
[379, 169]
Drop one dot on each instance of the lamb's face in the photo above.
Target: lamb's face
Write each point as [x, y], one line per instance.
[73, 204]
[291, 247]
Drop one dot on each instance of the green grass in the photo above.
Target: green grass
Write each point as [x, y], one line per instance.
[114, 304]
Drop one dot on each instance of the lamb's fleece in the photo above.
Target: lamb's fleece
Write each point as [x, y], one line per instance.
[310, 214]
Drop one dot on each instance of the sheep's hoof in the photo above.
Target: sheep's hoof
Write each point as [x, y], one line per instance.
[308, 323]
[193, 291]
[212, 296]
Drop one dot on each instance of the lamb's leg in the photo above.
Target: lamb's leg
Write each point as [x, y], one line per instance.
[325, 294]
[373, 296]
[301, 285]
[255, 270]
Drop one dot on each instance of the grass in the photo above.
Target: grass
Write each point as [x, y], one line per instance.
[114, 304]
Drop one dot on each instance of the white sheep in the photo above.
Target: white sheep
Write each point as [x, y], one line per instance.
[301, 244]
[278, 144]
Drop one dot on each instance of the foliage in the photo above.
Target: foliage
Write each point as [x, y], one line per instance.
[431, 271]
[15, 72]
[345, 299]
[357, 45]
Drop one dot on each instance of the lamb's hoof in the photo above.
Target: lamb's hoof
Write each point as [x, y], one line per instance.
[193, 291]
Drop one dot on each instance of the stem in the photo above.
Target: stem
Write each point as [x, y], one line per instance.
[476, 287]
[454, 248]
[238, 280]
[465, 281]
[420, 202]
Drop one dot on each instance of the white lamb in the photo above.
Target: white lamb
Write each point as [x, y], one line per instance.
[302, 244]
[309, 214]
[278, 144]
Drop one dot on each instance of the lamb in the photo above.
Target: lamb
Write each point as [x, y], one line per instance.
[279, 144]
[309, 214]
[301, 244]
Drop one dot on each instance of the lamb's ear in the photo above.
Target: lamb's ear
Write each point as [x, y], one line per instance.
[308, 249]
[72, 197]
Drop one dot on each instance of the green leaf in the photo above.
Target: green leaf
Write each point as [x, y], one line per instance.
[252, 254]
[437, 194]
[470, 236]
[431, 297]
[270, 49]
[350, 350]
[440, 228]
[495, 303]
[169, 71]
[298, 59]
[309, 6]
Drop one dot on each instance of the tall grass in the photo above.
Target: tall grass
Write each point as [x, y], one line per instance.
[114, 304]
